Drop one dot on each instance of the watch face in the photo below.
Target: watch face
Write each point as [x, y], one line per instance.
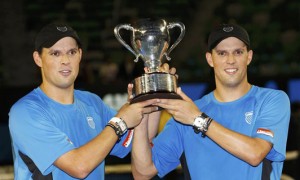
[122, 126]
[199, 123]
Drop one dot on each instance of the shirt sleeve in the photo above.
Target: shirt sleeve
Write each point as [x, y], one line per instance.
[272, 123]
[36, 136]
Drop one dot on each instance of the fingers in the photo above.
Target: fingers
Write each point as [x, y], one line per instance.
[150, 109]
[132, 114]
[173, 71]
[165, 67]
[148, 102]
[183, 95]
[164, 104]
[146, 69]
[173, 104]
[129, 92]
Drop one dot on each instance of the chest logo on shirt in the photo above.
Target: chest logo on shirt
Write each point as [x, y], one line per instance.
[91, 122]
[248, 117]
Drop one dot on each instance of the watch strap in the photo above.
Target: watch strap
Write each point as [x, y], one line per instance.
[118, 125]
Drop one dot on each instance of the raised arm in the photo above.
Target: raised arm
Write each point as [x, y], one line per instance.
[141, 162]
[81, 161]
[252, 150]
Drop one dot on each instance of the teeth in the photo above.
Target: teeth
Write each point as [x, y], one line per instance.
[230, 70]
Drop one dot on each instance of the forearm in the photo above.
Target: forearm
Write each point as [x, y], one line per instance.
[251, 150]
[142, 165]
[153, 123]
[81, 161]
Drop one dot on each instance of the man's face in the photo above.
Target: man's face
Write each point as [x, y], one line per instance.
[230, 59]
[60, 63]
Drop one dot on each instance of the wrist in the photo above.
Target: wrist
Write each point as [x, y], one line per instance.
[118, 125]
[201, 124]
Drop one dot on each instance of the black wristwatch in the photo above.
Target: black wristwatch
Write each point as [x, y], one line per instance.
[118, 125]
[201, 124]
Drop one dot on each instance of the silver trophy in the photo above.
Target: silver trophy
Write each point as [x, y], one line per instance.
[150, 41]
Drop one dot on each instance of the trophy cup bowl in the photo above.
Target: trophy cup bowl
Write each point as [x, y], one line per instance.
[150, 40]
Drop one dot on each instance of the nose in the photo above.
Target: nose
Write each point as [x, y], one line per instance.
[65, 59]
[230, 59]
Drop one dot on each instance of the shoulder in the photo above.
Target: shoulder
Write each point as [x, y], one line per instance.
[272, 102]
[84, 93]
[91, 99]
[33, 98]
[87, 96]
[28, 109]
[268, 94]
[205, 100]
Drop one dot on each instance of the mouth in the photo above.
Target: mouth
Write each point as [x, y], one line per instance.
[231, 70]
[65, 72]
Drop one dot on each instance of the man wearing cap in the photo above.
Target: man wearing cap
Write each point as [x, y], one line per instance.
[62, 133]
[237, 131]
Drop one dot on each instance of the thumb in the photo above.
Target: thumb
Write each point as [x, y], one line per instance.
[183, 95]
[129, 92]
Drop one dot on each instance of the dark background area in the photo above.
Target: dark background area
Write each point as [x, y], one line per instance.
[107, 66]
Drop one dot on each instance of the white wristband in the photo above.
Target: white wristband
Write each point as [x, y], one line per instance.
[120, 123]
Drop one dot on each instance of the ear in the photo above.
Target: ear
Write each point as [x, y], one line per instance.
[37, 58]
[250, 56]
[80, 52]
[209, 60]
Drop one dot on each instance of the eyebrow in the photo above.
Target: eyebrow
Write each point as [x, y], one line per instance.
[240, 48]
[58, 50]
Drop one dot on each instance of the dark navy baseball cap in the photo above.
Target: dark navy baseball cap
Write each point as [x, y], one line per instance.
[224, 31]
[52, 33]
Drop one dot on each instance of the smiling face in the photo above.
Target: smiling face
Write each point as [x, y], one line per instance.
[230, 59]
[59, 64]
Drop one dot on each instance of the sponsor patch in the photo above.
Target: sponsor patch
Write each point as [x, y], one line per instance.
[265, 132]
[128, 139]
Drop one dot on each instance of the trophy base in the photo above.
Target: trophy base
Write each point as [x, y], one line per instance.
[155, 95]
[157, 85]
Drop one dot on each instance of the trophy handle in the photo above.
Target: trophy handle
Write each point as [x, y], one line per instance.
[180, 37]
[120, 39]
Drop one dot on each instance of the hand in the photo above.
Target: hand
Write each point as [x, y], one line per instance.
[132, 114]
[164, 68]
[184, 111]
[129, 92]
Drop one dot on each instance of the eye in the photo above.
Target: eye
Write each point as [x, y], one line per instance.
[239, 52]
[55, 53]
[221, 53]
[73, 52]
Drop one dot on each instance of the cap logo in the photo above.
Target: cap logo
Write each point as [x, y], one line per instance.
[62, 29]
[228, 29]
